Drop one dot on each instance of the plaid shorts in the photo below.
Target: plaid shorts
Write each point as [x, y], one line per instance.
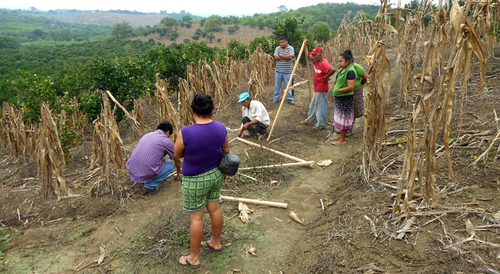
[199, 189]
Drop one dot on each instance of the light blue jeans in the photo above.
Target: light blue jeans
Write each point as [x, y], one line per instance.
[280, 77]
[317, 109]
[169, 167]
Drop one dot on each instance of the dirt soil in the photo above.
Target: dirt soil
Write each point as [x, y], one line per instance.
[355, 233]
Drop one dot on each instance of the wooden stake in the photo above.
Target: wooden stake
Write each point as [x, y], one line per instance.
[305, 163]
[287, 86]
[254, 201]
[270, 149]
[309, 74]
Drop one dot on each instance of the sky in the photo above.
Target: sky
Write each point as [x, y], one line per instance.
[195, 7]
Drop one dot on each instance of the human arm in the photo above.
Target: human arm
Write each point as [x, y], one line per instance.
[178, 165]
[364, 78]
[330, 72]
[245, 127]
[225, 146]
[179, 147]
[350, 86]
[282, 56]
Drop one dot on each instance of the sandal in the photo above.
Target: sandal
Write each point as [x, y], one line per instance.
[337, 143]
[211, 248]
[188, 264]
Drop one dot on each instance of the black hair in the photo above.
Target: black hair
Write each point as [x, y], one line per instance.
[283, 38]
[202, 104]
[347, 55]
[166, 127]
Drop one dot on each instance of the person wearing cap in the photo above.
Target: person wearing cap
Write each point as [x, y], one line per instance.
[319, 104]
[283, 54]
[255, 118]
[146, 164]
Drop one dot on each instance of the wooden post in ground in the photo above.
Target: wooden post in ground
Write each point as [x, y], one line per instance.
[309, 73]
[287, 87]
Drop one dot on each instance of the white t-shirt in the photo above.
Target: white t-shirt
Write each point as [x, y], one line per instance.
[256, 111]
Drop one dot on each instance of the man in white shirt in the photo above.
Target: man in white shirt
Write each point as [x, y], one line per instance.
[255, 118]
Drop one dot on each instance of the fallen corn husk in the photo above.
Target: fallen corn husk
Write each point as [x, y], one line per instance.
[325, 162]
[244, 211]
[251, 250]
[497, 215]
[234, 271]
[296, 218]
[469, 227]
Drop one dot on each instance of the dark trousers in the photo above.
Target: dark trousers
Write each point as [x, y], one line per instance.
[255, 128]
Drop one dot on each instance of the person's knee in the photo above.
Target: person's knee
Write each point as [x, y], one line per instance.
[213, 206]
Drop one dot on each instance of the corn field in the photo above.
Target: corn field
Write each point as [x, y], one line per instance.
[431, 60]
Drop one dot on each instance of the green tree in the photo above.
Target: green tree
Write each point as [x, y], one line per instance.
[213, 23]
[187, 18]
[9, 42]
[122, 30]
[31, 90]
[320, 31]
[289, 28]
[169, 22]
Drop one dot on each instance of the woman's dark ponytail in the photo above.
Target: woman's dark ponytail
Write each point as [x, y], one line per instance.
[347, 55]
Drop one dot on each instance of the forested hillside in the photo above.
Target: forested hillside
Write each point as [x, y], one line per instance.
[43, 59]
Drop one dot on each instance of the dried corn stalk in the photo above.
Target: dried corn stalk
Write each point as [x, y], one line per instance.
[185, 96]
[378, 93]
[14, 131]
[433, 109]
[49, 156]
[106, 149]
[165, 110]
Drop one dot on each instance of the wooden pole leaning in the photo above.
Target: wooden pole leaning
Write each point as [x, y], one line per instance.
[254, 201]
[309, 73]
[287, 87]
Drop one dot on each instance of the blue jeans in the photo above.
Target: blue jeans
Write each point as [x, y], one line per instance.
[280, 77]
[317, 109]
[169, 167]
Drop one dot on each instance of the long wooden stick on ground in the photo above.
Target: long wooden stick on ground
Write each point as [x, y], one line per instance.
[254, 201]
[287, 86]
[305, 163]
[270, 149]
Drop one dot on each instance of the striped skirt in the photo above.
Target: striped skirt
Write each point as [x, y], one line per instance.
[343, 117]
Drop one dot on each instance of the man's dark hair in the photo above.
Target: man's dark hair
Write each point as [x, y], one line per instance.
[283, 38]
[202, 104]
[166, 127]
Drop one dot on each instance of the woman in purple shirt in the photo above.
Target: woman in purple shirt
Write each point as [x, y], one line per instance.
[201, 145]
